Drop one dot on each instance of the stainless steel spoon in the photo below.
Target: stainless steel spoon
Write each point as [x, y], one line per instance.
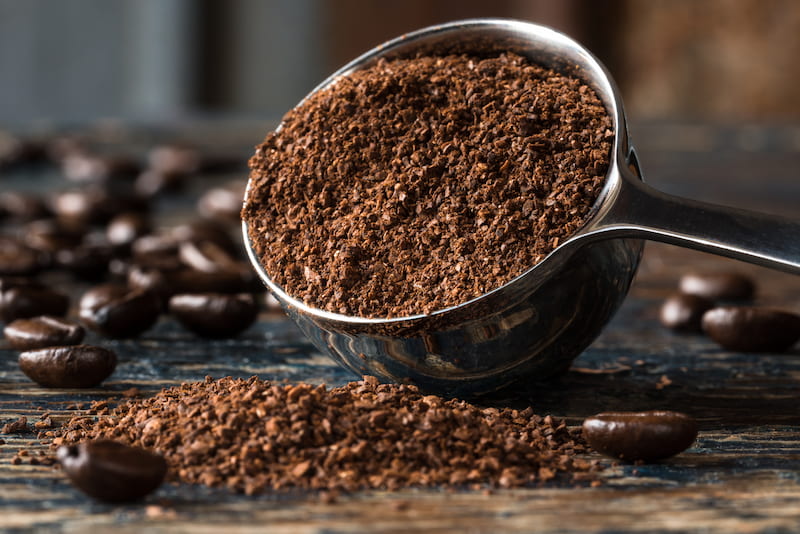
[534, 326]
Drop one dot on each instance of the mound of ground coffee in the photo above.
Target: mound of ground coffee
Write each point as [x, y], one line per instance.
[421, 183]
[253, 436]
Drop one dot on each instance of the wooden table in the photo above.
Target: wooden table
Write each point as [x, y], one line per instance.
[742, 475]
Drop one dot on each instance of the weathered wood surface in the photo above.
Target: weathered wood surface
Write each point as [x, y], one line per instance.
[742, 475]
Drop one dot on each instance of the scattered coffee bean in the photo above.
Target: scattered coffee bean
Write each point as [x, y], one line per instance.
[718, 285]
[214, 315]
[207, 230]
[50, 236]
[18, 259]
[207, 256]
[73, 366]
[684, 313]
[125, 228]
[22, 298]
[153, 182]
[417, 184]
[89, 260]
[752, 328]
[640, 436]
[223, 203]
[15, 151]
[116, 311]
[111, 471]
[22, 206]
[85, 167]
[175, 159]
[43, 331]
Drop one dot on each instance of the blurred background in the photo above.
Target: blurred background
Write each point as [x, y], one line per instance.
[80, 60]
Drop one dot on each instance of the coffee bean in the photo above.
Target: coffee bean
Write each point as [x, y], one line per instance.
[89, 260]
[111, 471]
[73, 366]
[85, 167]
[718, 285]
[207, 256]
[153, 182]
[23, 206]
[42, 331]
[222, 203]
[208, 230]
[214, 315]
[15, 151]
[752, 328]
[174, 158]
[21, 298]
[119, 312]
[125, 228]
[684, 312]
[18, 259]
[640, 436]
[49, 235]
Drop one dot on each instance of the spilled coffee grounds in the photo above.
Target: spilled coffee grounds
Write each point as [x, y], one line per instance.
[254, 436]
[418, 184]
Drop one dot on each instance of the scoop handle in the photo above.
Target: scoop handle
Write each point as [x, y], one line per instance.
[644, 212]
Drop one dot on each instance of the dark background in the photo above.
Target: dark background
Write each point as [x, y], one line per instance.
[81, 60]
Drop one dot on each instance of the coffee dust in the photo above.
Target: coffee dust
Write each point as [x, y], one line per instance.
[254, 436]
[418, 184]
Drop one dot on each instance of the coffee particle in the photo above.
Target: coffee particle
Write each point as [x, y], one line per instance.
[20, 426]
[418, 184]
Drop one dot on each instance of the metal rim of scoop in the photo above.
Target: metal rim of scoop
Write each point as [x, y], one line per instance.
[552, 43]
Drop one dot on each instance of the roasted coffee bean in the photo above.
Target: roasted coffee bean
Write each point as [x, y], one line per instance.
[175, 159]
[21, 298]
[96, 204]
[22, 206]
[119, 312]
[73, 366]
[214, 315]
[684, 312]
[16, 150]
[125, 228]
[207, 256]
[752, 328]
[42, 331]
[222, 203]
[85, 167]
[111, 471]
[18, 259]
[718, 285]
[154, 182]
[87, 261]
[207, 230]
[49, 235]
[640, 436]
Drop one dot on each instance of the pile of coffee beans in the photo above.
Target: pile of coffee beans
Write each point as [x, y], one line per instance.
[254, 436]
[716, 304]
[92, 240]
[418, 184]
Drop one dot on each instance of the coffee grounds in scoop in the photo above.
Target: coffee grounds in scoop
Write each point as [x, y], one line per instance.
[418, 184]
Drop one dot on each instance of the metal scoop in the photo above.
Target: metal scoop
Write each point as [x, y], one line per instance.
[532, 328]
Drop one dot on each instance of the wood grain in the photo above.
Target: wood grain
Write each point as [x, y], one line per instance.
[742, 474]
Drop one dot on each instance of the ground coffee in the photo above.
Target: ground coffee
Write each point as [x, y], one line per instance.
[420, 183]
[253, 436]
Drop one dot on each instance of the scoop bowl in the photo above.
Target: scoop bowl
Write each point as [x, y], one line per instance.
[531, 328]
